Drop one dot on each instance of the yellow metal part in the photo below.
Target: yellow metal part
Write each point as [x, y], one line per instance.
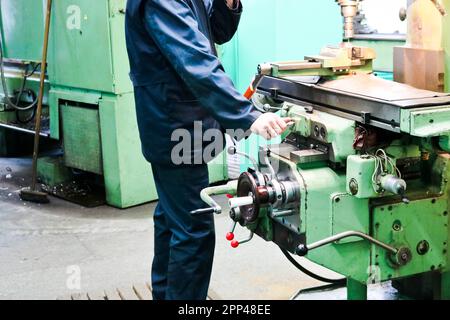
[349, 10]
[345, 56]
[424, 26]
[332, 61]
[446, 43]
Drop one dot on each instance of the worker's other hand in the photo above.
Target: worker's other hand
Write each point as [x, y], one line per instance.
[270, 125]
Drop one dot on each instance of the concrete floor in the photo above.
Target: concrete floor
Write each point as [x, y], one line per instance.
[41, 246]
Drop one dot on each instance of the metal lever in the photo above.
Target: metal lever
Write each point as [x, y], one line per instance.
[302, 250]
[240, 202]
[264, 157]
[235, 243]
[206, 195]
[230, 235]
[201, 212]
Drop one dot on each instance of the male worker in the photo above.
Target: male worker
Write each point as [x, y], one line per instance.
[179, 80]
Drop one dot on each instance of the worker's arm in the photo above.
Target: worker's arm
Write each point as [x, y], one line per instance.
[225, 17]
[173, 27]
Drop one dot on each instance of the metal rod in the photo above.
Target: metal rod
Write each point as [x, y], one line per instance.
[349, 234]
[283, 214]
[248, 239]
[268, 164]
[20, 129]
[206, 195]
[240, 202]
[41, 95]
[233, 227]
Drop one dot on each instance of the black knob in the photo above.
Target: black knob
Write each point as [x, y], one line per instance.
[274, 92]
[302, 250]
[232, 150]
[309, 109]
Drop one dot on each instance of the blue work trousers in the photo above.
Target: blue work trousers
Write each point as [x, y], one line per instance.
[184, 245]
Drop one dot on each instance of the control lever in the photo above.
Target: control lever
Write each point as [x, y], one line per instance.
[230, 235]
[264, 157]
[206, 195]
[235, 204]
[303, 250]
[205, 211]
[236, 243]
[400, 257]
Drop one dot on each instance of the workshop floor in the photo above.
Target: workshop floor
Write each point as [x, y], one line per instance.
[43, 246]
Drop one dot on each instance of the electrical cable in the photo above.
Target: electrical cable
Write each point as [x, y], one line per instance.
[33, 111]
[24, 82]
[310, 273]
[383, 165]
[31, 94]
[5, 87]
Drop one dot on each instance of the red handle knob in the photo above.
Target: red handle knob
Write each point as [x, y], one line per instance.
[235, 244]
[230, 236]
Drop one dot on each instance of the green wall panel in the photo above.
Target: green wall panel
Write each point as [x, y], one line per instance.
[121, 66]
[128, 176]
[82, 145]
[22, 37]
[80, 54]
[273, 30]
[87, 49]
[385, 52]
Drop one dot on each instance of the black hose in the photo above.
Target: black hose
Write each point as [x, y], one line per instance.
[33, 111]
[24, 82]
[5, 87]
[342, 282]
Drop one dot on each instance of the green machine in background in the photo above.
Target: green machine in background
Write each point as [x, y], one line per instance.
[89, 97]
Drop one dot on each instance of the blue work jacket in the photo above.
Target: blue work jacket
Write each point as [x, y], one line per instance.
[177, 76]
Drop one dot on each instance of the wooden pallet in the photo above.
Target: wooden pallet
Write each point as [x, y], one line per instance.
[134, 293]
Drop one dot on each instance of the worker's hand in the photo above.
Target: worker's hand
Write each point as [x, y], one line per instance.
[270, 125]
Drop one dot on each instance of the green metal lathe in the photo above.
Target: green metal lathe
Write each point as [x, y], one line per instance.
[360, 183]
[89, 97]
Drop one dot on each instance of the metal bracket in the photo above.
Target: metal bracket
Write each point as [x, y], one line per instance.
[366, 117]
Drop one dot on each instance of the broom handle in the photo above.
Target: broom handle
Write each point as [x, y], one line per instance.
[41, 95]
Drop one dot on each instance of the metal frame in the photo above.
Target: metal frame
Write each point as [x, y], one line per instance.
[379, 113]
